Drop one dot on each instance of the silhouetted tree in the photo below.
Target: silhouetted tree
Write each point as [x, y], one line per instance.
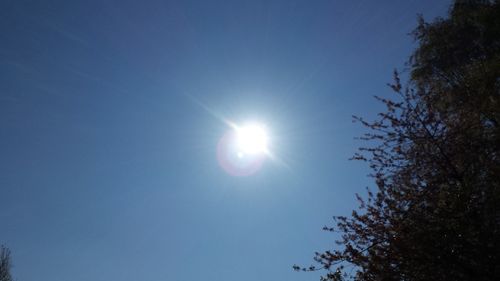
[5, 264]
[435, 158]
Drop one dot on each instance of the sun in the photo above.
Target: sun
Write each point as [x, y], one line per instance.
[243, 149]
[251, 139]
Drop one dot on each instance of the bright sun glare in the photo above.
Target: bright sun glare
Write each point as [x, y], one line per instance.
[243, 149]
[251, 139]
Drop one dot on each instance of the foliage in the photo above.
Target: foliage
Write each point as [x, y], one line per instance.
[435, 158]
[5, 264]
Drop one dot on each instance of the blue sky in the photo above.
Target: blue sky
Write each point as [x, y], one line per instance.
[110, 118]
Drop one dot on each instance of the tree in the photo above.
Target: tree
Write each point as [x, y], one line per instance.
[5, 264]
[435, 159]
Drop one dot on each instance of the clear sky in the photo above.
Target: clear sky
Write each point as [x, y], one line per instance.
[111, 112]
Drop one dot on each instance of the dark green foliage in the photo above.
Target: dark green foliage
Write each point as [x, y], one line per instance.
[435, 157]
[5, 264]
